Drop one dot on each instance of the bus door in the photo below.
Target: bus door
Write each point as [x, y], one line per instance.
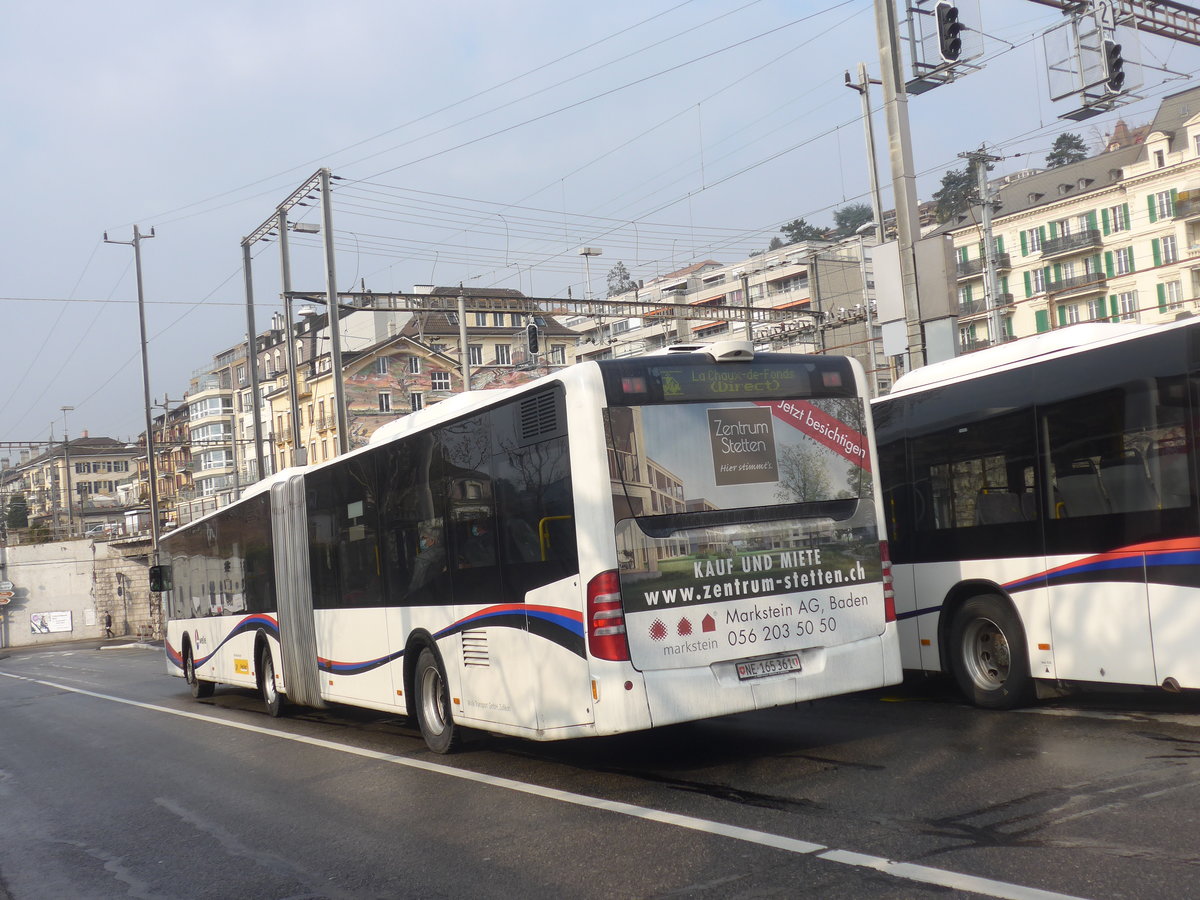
[1104, 506]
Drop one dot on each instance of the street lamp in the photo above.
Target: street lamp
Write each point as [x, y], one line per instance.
[587, 253]
[67, 467]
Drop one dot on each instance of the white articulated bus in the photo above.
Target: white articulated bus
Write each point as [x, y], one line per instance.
[1042, 511]
[617, 546]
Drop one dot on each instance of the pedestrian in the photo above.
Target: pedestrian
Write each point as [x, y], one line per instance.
[108, 625]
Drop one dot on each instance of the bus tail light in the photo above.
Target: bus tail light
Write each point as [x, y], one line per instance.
[606, 617]
[889, 592]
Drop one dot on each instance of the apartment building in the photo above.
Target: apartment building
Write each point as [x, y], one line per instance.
[73, 485]
[821, 292]
[1115, 237]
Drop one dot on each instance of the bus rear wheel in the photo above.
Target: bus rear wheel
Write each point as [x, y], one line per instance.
[200, 689]
[988, 654]
[433, 705]
[272, 699]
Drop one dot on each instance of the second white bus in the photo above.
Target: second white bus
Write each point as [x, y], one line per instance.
[1043, 515]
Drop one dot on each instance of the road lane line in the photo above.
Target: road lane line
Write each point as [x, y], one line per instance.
[908, 871]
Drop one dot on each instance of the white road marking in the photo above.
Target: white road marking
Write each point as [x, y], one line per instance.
[909, 871]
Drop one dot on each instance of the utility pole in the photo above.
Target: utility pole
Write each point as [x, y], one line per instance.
[904, 182]
[289, 335]
[864, 92]
[151, 466]
[981, 159]
[335, 319]
[67, 467]
[464, 351]
[252, 361]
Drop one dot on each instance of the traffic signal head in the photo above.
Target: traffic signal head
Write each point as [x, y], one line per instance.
[531, 336]
[1114, 67]
[949, 31]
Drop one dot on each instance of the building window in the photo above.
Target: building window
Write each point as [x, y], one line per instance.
[1096, 309]
[1128, 305]
[381, 365]
[498, 319]
[558, 355]
[1116, 218]
[414, 365]
[417, 401]
[481, 319]
[1123, 261]
[1170, 249]
[1070, 313]
[385, 401]
[475, 354]
[503, 355]
[1063, 227]
[1033, 239]
[1173, 292]
[515, 318]
[324, 449]
[310, 414]
[1163, 205]
[439, 381]
[1038, 280]
[1160, 159]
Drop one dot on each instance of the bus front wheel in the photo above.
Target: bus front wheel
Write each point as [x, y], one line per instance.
[200, 689]
[433, 705]
[988, 654]
[272, 699]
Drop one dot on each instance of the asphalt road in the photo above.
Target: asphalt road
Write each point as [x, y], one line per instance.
[114, 782]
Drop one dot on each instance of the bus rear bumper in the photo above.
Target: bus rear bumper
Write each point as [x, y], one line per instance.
[684, 695]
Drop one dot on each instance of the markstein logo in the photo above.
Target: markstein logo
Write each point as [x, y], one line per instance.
[743, 446]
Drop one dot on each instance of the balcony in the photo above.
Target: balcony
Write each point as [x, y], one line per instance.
[973, 268]
[1187, 204]
[1077, 285]
[1068, 244]
[978, 307]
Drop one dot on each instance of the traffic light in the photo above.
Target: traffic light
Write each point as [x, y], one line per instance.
[949, 31]
[1114, 66]
[531, 338]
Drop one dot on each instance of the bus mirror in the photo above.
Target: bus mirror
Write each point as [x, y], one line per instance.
[160, 578]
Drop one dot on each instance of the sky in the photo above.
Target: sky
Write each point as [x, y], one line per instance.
[470, 142]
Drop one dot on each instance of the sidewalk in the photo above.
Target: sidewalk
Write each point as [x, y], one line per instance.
[124, 642]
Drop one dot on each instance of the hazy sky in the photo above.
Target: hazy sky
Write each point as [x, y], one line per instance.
[481, 143]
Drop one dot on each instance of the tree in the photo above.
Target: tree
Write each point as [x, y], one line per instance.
[798, 230]
[776, 243]
[956, 194]
[850, 218]
[1068, 148]
[619, 281]
[18, 512]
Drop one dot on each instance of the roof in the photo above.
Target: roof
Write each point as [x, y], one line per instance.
[1092, 174]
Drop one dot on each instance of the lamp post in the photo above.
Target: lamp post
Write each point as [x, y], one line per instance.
[67, 468]
[587, 253]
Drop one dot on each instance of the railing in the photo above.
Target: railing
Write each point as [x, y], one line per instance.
[1071, 243]
[1094, 280]
[973, 267]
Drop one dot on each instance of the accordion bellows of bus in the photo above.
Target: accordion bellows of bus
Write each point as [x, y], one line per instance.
[1042, 511]
[617, 546]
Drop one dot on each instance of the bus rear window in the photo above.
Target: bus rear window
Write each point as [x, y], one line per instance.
[668, 459]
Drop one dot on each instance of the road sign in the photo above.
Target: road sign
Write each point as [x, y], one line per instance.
[6, 585]
[5, 596]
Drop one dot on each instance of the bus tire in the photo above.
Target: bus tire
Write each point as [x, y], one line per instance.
[200, 689]
[433, 705]
[272, 699]
[988, 654]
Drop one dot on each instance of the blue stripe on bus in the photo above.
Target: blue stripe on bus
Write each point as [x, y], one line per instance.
[560, 626]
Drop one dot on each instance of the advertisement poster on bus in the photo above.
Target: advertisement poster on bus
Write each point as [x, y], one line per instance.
[707, 573]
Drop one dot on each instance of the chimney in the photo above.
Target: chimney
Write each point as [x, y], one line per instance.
[85, 433]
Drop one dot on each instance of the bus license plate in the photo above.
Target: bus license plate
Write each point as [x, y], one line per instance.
[764, 668]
